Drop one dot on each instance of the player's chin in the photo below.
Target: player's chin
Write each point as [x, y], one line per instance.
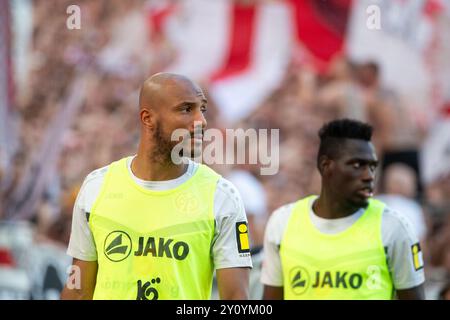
[359, 201]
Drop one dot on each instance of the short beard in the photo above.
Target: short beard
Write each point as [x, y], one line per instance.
[162, 151]
[359, 204]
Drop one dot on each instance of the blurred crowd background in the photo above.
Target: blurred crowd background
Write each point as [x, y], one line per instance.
[69, 105]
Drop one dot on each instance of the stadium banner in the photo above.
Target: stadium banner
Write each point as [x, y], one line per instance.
[250, 45]
[246, 53]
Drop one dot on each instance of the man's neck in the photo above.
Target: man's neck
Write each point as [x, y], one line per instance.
[327, 207]
[148, 169]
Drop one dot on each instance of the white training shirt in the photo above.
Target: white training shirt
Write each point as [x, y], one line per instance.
[228, 210]
[397, 235]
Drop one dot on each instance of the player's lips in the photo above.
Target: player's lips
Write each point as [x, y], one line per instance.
[365, 192]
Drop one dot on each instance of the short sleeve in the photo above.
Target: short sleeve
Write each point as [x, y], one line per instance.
[231, 246]
[403, 249]
[272, 272]
[81, 243]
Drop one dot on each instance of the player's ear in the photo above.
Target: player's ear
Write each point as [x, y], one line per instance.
[324, 164]
[147, 116]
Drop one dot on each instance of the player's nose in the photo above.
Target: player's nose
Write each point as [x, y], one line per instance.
[199, 121]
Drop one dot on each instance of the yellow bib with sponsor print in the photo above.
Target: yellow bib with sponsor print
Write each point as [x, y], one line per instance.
[154, 244]
[348, 265]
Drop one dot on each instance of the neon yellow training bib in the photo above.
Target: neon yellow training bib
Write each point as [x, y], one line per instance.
[154, 244]
[348, 265]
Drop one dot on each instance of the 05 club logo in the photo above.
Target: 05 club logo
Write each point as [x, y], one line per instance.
[188, 203]
[145, 291]
[299, 280]
[117, 246]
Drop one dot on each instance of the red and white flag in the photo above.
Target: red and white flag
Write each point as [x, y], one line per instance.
[320, 30]
[241, 50]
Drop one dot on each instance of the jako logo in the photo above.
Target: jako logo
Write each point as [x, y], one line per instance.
[117, 246]
[161, 247]
[299, 279]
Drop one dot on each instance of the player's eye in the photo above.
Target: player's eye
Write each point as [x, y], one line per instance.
[356, 165]
[187, 108]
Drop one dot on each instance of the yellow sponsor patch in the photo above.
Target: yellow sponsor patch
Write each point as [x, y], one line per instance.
[242, 237]
[417, 256]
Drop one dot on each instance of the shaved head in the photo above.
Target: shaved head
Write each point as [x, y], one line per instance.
[172, 114]
[169, 102]
[159, 88]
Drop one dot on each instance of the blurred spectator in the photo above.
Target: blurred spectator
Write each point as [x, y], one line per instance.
[398, 133]
[30, 269]
[341, 93]
[15, 240]
[444, 294]
[375, 99]
[14, 282]
[400, 190]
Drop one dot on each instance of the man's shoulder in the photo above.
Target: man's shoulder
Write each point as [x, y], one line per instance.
[91, 187]
[396, 225]
[95, 176]
[278, 221]
[98, 175]
[205, 170]
[393, 217]
[226, 191]
[283, 212]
